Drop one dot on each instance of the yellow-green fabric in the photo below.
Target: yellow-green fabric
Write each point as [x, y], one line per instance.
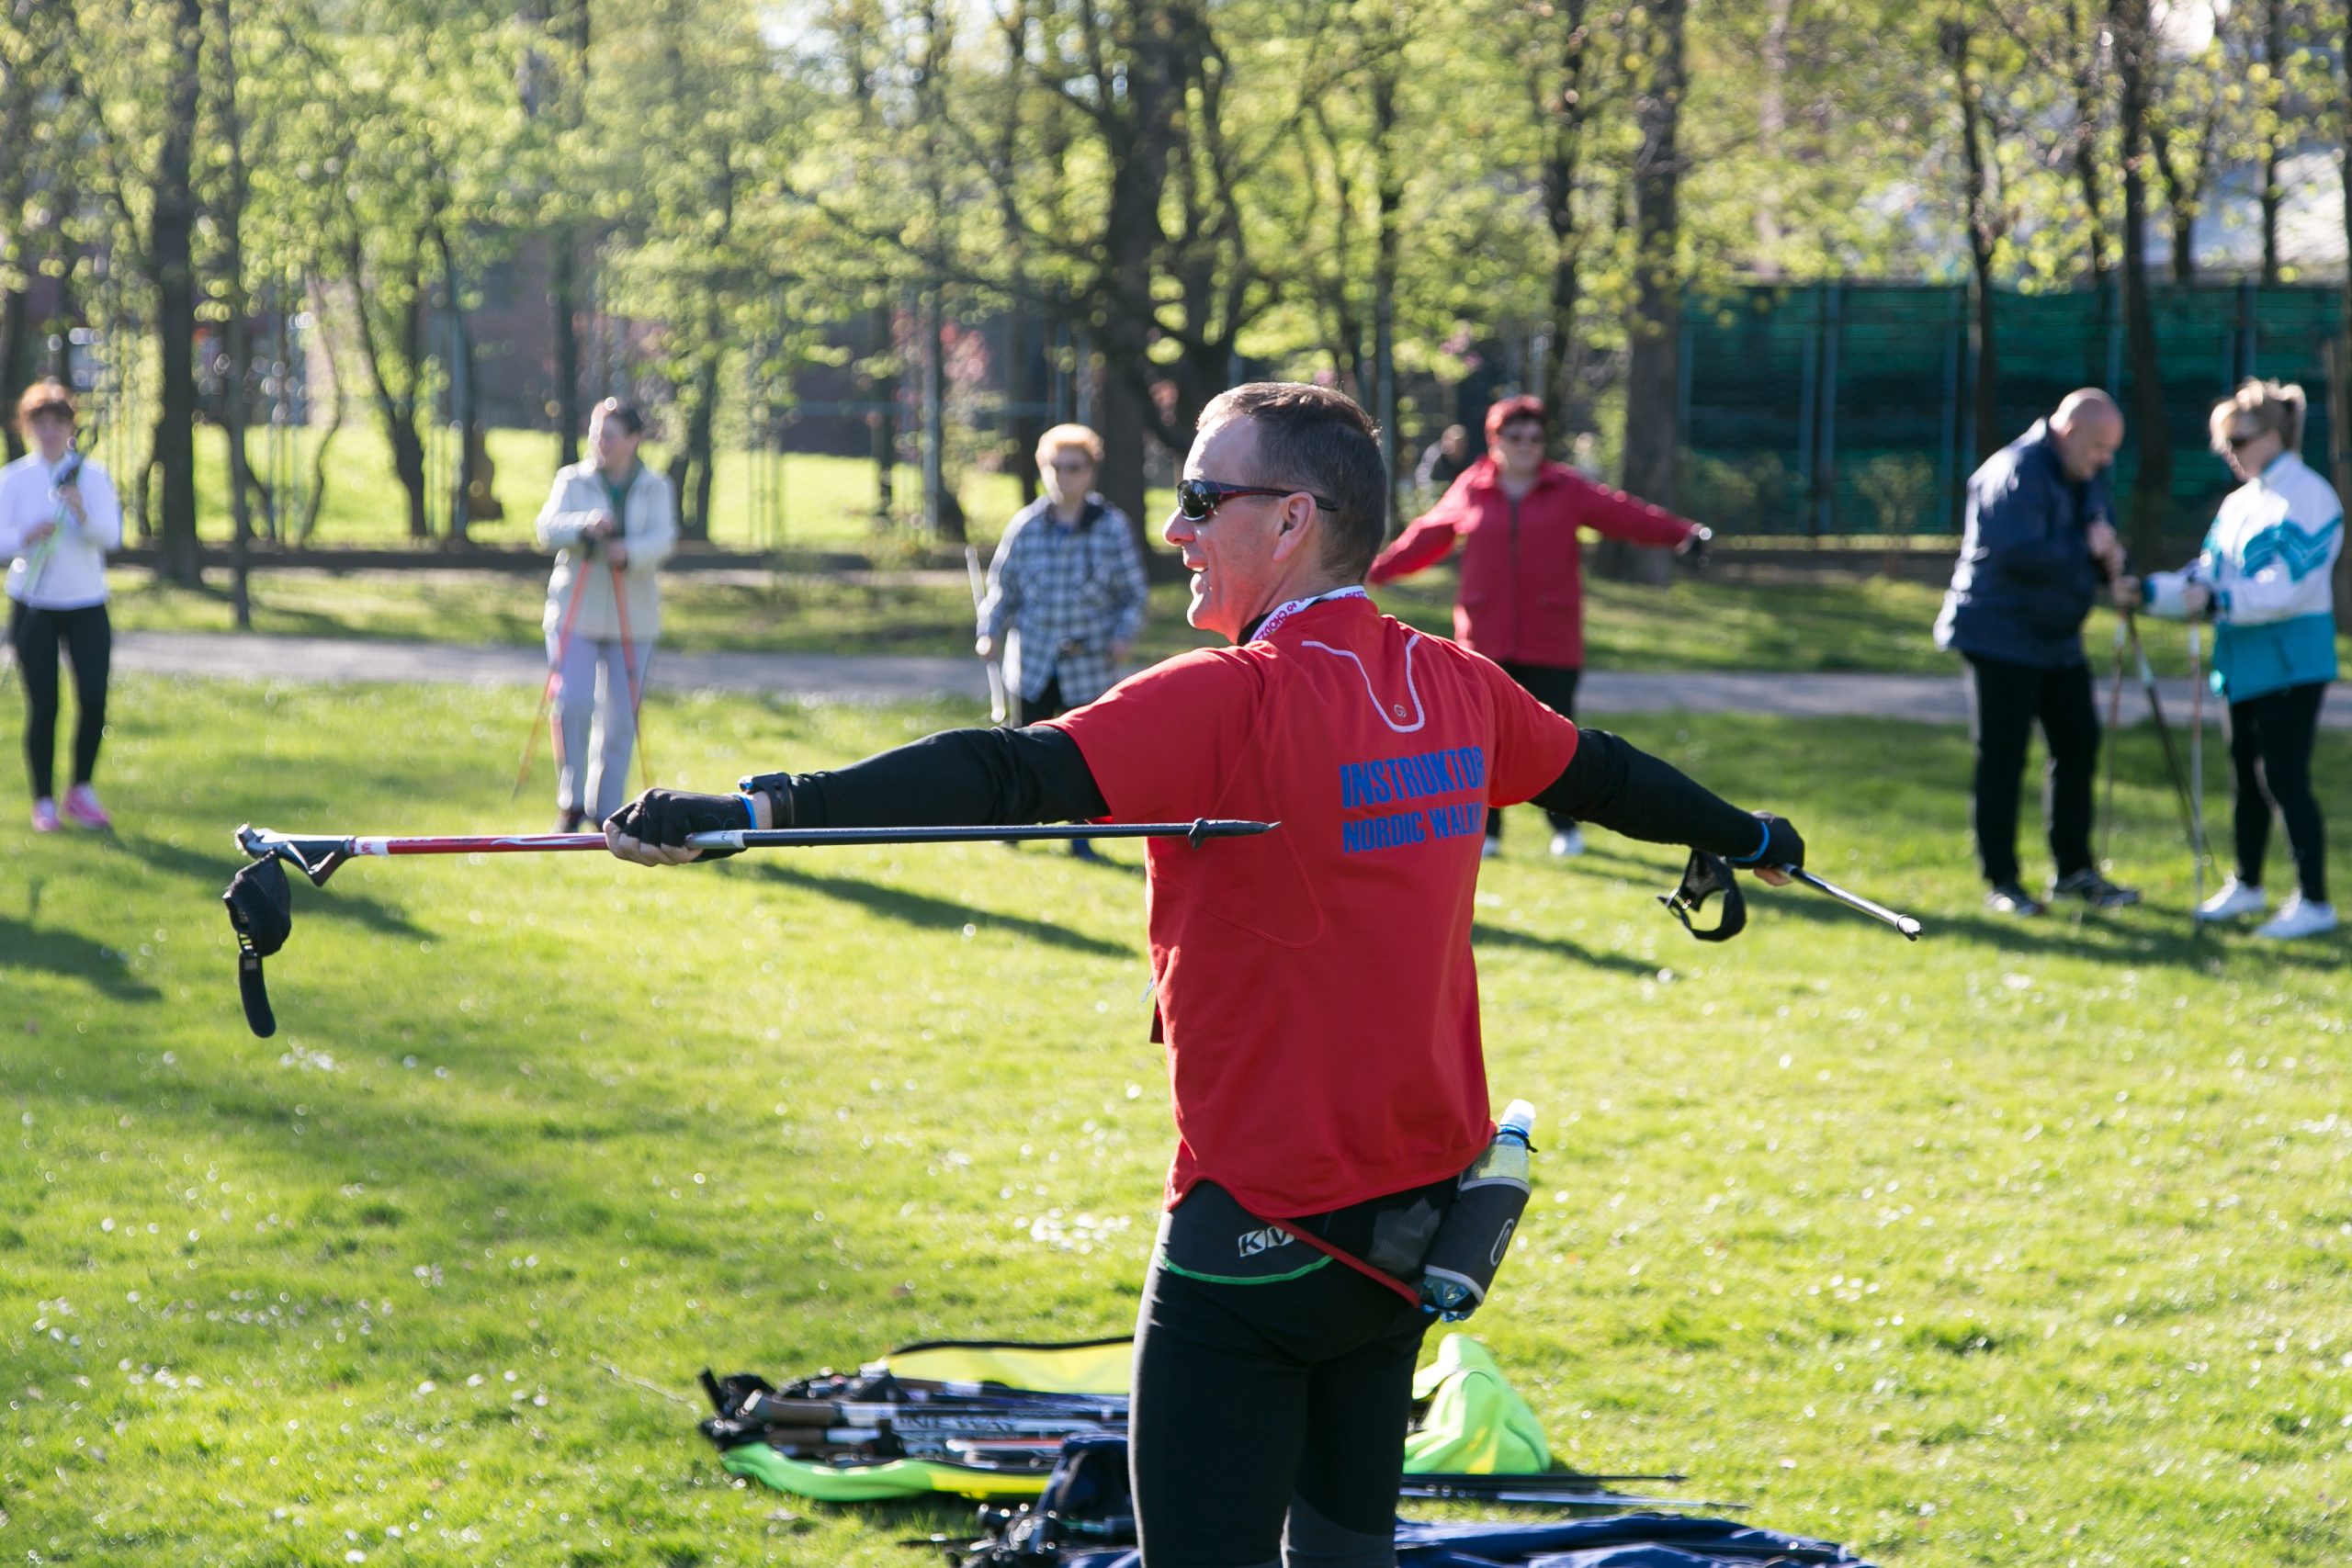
[1476, 1423]
[1099, 1366]
[875, 1482]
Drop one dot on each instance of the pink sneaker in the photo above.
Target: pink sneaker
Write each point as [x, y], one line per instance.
[44, 815]
[82, 805]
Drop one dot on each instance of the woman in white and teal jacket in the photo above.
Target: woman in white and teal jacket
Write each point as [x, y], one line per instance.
[2263, 580]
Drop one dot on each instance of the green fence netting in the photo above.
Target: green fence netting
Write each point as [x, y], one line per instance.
[1843, 409]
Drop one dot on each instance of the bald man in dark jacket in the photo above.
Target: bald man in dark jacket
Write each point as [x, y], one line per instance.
[2039, 544]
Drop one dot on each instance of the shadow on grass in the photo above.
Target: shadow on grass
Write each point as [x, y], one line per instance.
[927, 913]
[68, 955]
[1490, 936]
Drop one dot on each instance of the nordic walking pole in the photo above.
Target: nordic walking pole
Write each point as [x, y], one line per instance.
[2197, 765]
[2114, 717]
[2163, 731]
[1904, 923]
[636, 695]
[547, 692]
[997, 709]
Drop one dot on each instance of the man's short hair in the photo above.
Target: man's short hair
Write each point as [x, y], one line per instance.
[1062, 436]
[1324, 442]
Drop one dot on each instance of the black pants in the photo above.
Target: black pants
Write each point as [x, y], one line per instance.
[1553, 685]
[2007, 700]
[88, 639]
[1271, 1397]
[2271, 742]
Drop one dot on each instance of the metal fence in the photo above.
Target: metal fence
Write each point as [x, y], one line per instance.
[1849, 408]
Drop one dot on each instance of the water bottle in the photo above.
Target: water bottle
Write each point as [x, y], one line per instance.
[1477, 1230]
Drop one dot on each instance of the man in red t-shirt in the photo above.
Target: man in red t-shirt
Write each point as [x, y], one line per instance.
[1315, 984]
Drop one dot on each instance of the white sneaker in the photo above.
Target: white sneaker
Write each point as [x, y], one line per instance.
[2234, 899]
[2299, 916]
[1490, 848]
[1568, 842]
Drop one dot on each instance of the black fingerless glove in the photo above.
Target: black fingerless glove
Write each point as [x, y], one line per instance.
[666, 816]
[1782, 848]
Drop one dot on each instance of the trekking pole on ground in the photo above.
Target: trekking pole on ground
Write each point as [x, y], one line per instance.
[2163, 731]
[547, 692]
[997, 708]
[2114, 717]
[636, 695]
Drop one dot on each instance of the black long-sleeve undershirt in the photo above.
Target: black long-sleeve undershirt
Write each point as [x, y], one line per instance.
[1038, 775]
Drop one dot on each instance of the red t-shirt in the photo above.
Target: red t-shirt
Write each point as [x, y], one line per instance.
[1314, 984]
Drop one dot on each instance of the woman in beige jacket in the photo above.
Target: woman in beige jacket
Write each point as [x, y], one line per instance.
[612, 521]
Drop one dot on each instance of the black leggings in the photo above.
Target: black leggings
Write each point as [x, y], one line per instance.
[1271, 1397]
[1553, 685]
[2271, 742]
[2008, 699]
[89, 639]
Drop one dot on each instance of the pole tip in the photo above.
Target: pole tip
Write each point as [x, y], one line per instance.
[1908, 927]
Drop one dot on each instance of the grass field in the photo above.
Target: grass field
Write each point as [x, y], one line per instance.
[805, 501]
[2026, 1245]
[1727, 621]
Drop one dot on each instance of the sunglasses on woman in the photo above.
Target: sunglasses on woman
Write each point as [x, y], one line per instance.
[1197, 499]
[2240, 440]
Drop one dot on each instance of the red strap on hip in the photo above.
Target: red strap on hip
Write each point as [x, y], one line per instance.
[1377, 1277]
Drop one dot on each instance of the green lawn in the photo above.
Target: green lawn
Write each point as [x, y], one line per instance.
[800, 501]
[2026, 1245]
[1722, 621]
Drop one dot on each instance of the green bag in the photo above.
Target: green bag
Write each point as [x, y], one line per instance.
[1475, 1424]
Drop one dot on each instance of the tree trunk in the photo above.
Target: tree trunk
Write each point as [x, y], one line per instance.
[172, 270]
[702, 415]
[2135, 51]
[1389, 185]
[1653, 371]
[464, 393]
[2274, 94]
[1565, 114]
[943, 515]
[882, 334]
[563, 302]
[2084, 41]
[397, 410]
[16, 362]
[236, 331]
[1771, 119]
[1957, 41]
[2339, 407]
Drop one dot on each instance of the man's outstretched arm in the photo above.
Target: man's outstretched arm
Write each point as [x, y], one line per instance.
[1621, 788]
[995, 776]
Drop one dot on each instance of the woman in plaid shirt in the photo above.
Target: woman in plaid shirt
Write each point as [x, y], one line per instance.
[1066, 590]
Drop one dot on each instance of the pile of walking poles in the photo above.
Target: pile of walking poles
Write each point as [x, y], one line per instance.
[2188, 784]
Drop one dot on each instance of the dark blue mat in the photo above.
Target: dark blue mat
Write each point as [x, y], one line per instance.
[1619, 1541]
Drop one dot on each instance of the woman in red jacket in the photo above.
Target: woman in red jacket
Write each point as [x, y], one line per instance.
[1515, 516]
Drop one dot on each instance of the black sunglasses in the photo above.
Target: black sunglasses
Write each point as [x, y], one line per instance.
[2240, 440]
[1197, 499]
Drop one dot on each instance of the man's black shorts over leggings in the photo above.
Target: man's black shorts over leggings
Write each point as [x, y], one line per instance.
[1272, 1392]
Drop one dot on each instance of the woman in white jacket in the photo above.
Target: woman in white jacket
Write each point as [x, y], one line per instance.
[612, 521]
[58, 519]
[2263, 578]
